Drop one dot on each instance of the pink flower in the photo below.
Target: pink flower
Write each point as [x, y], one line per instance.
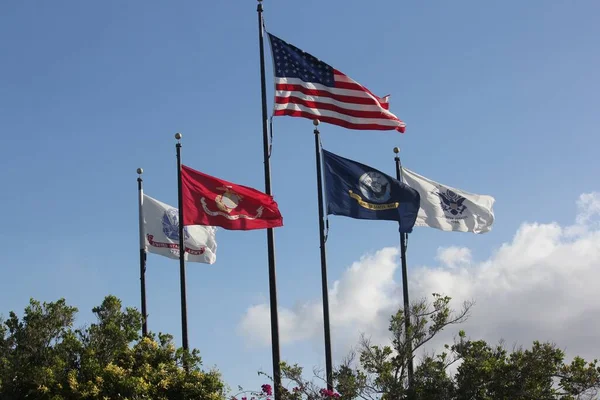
[267, 389]
[329, 393]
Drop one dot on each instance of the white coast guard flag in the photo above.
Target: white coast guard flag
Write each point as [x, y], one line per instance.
[161, 228]
[450, 209]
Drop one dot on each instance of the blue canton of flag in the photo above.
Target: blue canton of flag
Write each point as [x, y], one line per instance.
[307, 87]
[291, 62]
[358, 191]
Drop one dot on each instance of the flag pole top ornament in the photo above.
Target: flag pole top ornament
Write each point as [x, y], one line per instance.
[178, 136]
[316, 122]
[140, 171]
[396, 150]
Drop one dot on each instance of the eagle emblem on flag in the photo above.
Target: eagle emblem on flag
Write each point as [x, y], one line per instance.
[170, 224]
[374, 186]
[452, 202]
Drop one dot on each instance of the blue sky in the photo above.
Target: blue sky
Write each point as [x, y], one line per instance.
[499, 98]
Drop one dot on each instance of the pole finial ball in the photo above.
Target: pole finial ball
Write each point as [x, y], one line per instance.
[316, 122]
[178, 136]
[140, 171]
[396, 150]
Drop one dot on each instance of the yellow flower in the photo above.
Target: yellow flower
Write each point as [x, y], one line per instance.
[164, 383]
[149, 342]
[43, 389]
[114, 369]
[72, 379]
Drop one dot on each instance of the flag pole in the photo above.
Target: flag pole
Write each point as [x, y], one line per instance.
[270, 233]
[184, 329]
[322, 240]
[140, 171]
[403, 237]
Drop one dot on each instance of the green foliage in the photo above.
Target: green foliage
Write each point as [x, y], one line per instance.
[483, 372]
[349, 383]
[43, 357]
[538, 373]
[432, 381]
[386, 367]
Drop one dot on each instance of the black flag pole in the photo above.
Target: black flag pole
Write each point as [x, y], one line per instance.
[403, 238]
[322, 240]
[270, 233]
[140, 171]
[184, 328]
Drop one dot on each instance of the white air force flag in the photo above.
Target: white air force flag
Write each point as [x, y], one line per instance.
[450, 209]
[161, 227]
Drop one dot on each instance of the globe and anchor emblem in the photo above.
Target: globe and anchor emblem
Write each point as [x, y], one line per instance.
[229, 200]
[375, 186]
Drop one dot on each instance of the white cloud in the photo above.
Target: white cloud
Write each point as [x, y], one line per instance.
[543, 284]
[364, 297]
[454, 256]
[589, 206]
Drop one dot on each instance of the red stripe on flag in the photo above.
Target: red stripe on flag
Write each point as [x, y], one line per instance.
[323, 93]
[332, 107]
[339, 122]
[353, 85]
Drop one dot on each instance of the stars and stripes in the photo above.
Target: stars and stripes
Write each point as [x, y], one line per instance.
[307, 87]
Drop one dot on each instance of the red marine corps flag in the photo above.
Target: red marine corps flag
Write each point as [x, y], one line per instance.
[211, 201]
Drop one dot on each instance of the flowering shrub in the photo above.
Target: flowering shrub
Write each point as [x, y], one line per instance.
[297, 393]
[42, 356]
[329, 394]
[301, 388]
[266, 389]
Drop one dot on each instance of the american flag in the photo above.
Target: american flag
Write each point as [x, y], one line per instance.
[307, 87]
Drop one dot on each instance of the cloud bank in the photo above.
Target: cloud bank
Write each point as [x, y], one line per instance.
[543, 284]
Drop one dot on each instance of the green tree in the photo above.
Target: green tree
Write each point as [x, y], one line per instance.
[42, 356]
[483, 372]
[386, 367]
[491, 372]
[479, 371]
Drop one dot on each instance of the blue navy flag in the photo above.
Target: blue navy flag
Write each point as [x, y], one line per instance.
[358, 191]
